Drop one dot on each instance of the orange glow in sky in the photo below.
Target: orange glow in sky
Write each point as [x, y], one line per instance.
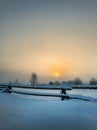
[55, 39]
[56, 74]
[58, 71]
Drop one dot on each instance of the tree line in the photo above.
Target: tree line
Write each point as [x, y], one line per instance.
[77, 81]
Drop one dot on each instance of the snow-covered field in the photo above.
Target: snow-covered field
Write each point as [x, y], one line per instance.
[84, 92]
[22, 113]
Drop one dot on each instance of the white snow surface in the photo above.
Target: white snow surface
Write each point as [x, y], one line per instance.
[22, 113]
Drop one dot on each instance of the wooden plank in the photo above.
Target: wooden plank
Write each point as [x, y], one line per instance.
[84, 87]
[40, 94]
[37, 87]
[2, 87]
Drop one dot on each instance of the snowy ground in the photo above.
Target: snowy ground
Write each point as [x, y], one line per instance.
[21, 113]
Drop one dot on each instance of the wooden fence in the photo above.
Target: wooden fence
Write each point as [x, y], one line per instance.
[8, 88]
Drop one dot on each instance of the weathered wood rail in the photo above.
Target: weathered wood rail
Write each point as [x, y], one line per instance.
[84, 86]
[9, 89]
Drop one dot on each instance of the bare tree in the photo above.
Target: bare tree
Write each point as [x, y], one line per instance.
[16, 82]
[57, 83]
[78, 81]
[51, 83]
[34, 79]
[93, 81]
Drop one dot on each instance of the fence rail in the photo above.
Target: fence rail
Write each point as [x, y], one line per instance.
[36, 87]
[9, 89]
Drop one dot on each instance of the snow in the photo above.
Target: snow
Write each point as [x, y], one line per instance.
[84, 92]
[22, 113]
[81, 97]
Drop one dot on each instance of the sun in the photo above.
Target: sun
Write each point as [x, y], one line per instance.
[56, 71]
[56, 74]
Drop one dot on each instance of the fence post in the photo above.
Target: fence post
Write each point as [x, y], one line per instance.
[7, 89]
[63, 91]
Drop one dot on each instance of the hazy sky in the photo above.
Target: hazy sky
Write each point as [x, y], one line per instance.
[57, 39]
